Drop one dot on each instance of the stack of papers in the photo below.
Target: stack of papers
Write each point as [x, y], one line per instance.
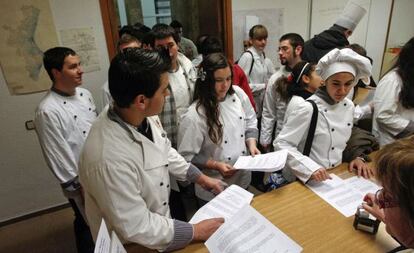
[244, 229]
[249, 231]
[269, 162]
[344, 195]
[108, 244]
[224, 205]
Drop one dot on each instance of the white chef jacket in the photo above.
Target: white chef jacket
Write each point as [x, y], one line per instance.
[274, 108]
[333, 129]
[125, 177]
[390, 117]
[239, 123]
[62, 125]
[106, 95]
[262, 69]
[182, 83]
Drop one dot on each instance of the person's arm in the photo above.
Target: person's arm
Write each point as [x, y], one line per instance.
[362, 112]
[386, 112]
[251, 131]
[56, 149]
[294, 130]
[269, 113]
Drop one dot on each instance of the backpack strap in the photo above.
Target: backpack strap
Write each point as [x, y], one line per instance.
[251, 65]
[312, 128]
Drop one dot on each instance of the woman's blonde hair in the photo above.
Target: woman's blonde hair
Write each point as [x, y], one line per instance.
[258, 32]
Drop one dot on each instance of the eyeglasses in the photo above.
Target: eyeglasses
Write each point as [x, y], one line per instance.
[384, 200]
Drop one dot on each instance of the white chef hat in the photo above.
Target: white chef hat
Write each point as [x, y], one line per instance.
[344, 60]
[350, 17]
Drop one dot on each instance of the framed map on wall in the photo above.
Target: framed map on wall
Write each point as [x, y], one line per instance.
[27, 30]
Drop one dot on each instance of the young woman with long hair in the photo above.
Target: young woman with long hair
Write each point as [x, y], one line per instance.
[219, 126]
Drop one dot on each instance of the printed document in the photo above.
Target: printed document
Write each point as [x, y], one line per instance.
[106, 244]
[224, 205]
[268, 162]
[249, 231]
[343, 195]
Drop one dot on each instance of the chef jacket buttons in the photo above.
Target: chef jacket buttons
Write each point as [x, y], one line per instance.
[166, 165]
[163, 135]
[81, 94]
[333, 165]
[243, 152]
[168, 186]
[64, 102]
[344, 104]
[165, 203]
[161, 184]
[75, 116]
[332, 148]
[242, 135]
[234, 100]
[84, 132]
[229, 158]
[241, 117]
[333, 129]
[325, 110]
[349, 124]
[225, 142]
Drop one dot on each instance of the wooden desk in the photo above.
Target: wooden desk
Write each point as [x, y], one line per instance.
[312, 222]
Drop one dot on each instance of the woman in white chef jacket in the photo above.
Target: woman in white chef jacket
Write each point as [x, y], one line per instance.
[257, 67]
[394, 99]
[218, 126]
[340, 70]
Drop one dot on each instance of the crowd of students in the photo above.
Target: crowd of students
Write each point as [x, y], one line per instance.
[170, 123]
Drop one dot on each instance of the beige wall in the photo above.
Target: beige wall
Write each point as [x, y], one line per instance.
[27, 185]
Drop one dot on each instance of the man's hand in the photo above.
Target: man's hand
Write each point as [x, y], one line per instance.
[361, 167]
[320, 175]
[204, 229]
[211, 184]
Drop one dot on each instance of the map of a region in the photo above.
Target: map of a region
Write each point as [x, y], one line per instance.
[82, 40]
[22, 39]
[27, 29]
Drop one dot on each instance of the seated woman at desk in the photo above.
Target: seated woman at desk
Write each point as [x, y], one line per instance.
[340, 70]
[394, 99]
[218, 125]
[394, 203]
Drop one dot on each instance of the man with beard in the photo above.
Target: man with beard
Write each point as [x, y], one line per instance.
[290, 51]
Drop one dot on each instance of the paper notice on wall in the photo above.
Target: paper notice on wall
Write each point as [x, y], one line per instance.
[82, 40]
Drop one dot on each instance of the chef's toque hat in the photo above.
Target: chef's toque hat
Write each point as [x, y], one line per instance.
[350, 17]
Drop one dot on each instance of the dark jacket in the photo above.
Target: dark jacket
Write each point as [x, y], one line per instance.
[322, 43]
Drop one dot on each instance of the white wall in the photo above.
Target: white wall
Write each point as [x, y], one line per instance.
[295, 19]
[402, 20]
[297, 15]
[27, 185]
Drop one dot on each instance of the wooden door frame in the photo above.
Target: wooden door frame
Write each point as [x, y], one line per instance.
[110, 23]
